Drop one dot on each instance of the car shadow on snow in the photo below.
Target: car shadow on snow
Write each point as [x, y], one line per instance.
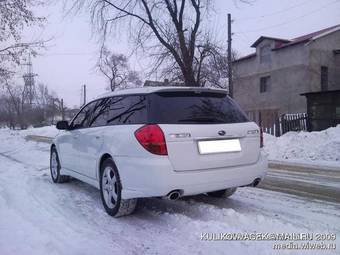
[195, 207]
[85, 197]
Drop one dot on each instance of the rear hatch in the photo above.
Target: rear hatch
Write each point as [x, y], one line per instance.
[204, 129]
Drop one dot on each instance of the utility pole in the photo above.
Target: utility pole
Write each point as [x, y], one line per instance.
[230, 68]
[53, 110]
[62, 110]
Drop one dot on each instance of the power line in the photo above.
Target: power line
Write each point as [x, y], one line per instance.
[69, 54]
[243, 37]
[276, 12]
[291, 20]
[242, 40]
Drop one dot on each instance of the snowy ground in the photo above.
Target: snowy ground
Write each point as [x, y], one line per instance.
[315, 148]
[39, 217]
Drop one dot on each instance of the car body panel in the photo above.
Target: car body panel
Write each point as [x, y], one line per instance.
[143, 177]
[184, 153]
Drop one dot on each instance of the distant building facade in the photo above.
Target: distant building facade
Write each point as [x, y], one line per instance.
[269, 82]
[165, 83]
[323, 109]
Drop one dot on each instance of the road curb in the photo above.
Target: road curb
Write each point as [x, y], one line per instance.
[39, 138]
[296, 167]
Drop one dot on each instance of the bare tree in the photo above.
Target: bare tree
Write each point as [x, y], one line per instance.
[15, 105]
[171, 31]
[115, 68]
[15, 111]
[42, 95]
[15, 15]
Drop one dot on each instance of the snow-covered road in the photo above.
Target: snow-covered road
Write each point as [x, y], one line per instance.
[39, 217]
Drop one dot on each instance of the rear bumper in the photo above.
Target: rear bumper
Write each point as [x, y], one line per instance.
[145, 177]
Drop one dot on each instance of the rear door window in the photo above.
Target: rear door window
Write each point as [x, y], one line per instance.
[190, 107]
[83, 118]
[119, 111]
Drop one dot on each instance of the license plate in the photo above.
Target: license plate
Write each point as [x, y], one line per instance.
[219, 146]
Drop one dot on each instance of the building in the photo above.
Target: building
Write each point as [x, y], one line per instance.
[165, 83]
[323, 109]
[269, 82]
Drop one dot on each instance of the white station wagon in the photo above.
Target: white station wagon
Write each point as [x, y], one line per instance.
[159, 142]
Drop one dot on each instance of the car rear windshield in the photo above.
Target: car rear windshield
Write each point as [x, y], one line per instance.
[193, 107]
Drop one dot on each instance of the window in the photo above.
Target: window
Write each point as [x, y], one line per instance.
[324, 78]
[251, 115]
[264, 84]
[265, 54]
[119, 110]
[99, 113]
[83, 117]
[190, 107]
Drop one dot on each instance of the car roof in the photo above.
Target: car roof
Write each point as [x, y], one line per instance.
[148, 90]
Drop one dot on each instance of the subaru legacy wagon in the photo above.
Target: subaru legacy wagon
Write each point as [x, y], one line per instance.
[159, 142]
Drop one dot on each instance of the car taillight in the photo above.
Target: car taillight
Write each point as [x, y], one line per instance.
[151, 137]
[261, 138]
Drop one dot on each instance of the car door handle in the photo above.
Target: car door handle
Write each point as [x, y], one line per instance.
[97, 137]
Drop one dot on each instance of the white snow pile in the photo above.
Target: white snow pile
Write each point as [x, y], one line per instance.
[49, 131]
[319, 148]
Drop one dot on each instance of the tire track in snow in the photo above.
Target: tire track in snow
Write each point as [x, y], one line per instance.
[11, 158]
[36, 205]
[38, 194]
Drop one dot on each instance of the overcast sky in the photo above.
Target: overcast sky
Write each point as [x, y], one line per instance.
[70, 57]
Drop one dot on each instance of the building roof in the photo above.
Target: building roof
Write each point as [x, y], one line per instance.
[261, 38]
[284, 43]
[311, 36]
[245, 57]
[148, 90]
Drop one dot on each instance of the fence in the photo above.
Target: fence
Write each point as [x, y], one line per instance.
[288, 122]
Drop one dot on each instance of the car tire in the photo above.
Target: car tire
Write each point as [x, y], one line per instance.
[55, 168]
[222, 193]
[111, 189]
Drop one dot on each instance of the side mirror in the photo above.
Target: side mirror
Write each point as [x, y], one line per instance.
[62, 125]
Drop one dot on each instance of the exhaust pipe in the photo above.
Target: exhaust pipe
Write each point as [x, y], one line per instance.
[256, 182]
[174, 195]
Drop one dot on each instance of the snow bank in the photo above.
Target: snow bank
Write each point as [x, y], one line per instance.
[321, 148]
[49, 131]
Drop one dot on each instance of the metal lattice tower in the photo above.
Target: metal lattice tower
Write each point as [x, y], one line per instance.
[29, 87]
